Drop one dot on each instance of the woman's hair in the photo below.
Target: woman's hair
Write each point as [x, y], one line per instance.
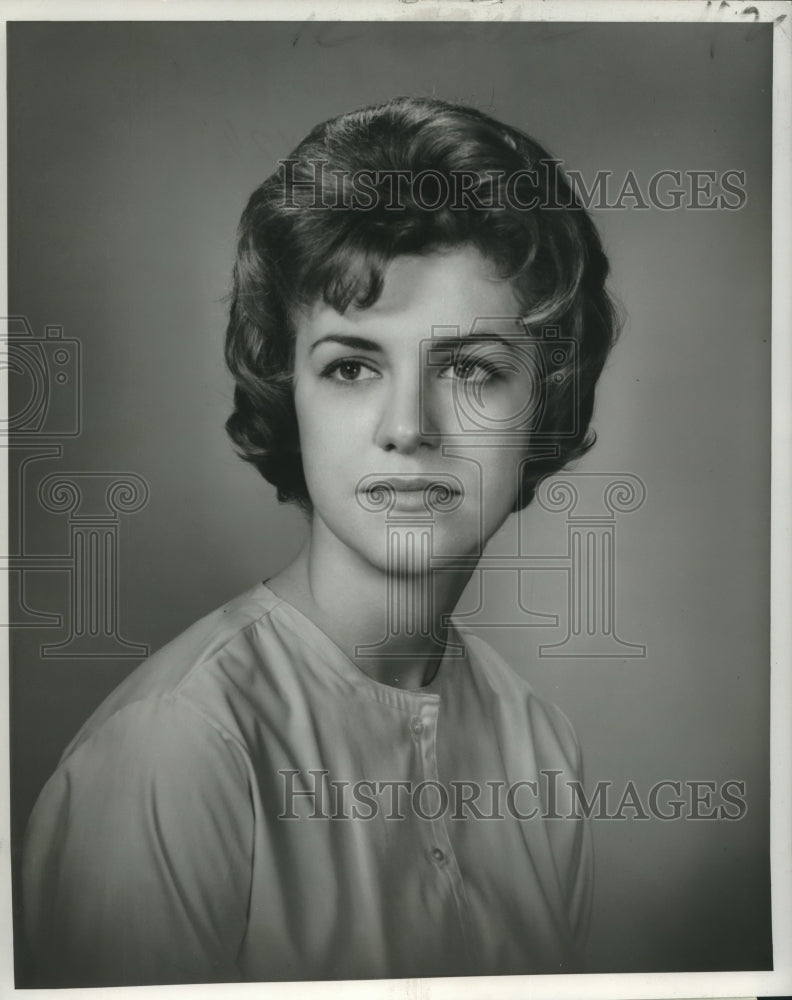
[412, 176]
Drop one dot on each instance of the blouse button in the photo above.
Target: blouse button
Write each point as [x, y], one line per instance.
[437, 855]
[417, 726]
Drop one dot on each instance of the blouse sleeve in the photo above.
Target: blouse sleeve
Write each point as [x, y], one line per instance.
[560, 754]
[582, 883]
[137, 859]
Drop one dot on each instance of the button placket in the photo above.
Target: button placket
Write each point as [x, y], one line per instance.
[440, 852]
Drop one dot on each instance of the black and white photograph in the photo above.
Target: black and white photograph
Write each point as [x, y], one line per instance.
[397, 540]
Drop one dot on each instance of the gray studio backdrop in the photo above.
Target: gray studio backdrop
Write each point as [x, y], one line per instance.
[132, 150]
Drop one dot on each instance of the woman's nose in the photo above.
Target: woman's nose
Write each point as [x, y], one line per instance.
[405, 423]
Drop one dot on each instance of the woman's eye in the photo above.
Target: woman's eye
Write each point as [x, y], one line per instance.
[469, 368]
[348, 371]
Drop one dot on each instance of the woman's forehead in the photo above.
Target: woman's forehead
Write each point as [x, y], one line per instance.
[454, 289]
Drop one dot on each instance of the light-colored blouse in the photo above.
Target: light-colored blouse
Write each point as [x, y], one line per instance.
[249, 805]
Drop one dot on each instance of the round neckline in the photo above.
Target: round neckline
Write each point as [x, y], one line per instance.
[351, 671]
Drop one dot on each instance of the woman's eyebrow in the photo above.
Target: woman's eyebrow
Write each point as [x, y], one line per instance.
[505, 339]
[364, 344]
[346, 340]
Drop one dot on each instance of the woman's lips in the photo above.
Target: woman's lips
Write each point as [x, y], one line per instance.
[436, 493]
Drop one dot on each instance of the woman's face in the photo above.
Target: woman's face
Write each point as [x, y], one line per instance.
[417, 410]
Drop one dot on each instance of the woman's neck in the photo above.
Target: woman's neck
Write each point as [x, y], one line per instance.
[389, 622]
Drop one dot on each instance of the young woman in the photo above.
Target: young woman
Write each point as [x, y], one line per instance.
[326, 779]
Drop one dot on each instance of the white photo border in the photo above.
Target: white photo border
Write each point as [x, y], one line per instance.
[650, 985]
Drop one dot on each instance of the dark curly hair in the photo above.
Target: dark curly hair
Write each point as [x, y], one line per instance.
[328, 222]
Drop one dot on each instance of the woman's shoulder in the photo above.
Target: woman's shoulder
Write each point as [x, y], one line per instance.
[549, 726]
[195, 674]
